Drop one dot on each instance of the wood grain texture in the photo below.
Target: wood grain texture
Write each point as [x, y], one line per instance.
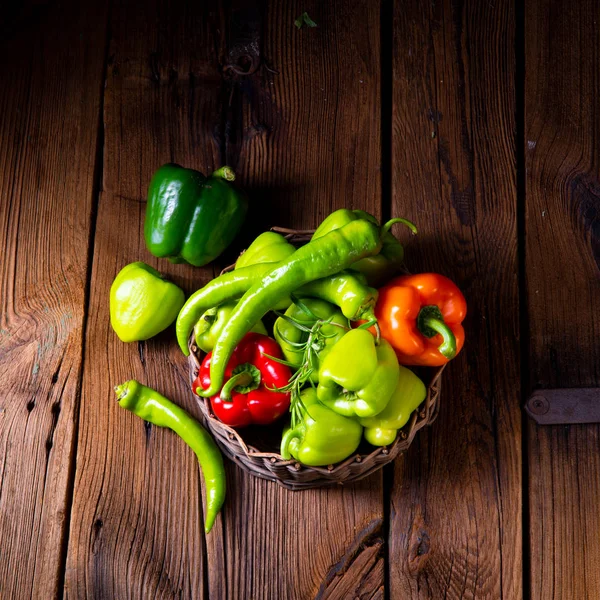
[455, 515]
[562, 129]
[47, 160]
[310, 144]
[137, 522]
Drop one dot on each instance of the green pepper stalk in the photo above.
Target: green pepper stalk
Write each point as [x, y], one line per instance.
[153, 407]
[323, 257]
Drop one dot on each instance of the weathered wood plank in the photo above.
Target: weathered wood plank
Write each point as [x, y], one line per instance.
[51, 70]
[455, 529]
[137, 524]
[562, 129]
[311, 144]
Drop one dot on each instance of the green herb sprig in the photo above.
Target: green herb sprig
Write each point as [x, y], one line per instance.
[304, 19]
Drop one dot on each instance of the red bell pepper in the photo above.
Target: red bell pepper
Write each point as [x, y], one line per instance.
[420, 316]
[247, 396]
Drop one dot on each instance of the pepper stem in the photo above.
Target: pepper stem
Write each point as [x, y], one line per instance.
[430, 322]
[387, 226]
[225, 172]
[121, 390]
[245, 378]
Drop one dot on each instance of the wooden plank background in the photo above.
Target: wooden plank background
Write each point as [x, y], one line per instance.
[455, 513]
[407, 108]
[47, 170]
[562, 227]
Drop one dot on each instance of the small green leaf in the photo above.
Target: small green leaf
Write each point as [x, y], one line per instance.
[308, 20]
[304, 19]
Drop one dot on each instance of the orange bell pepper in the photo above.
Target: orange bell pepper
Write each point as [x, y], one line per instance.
[420, 316]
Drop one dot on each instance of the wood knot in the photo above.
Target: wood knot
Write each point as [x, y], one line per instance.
[419, 546]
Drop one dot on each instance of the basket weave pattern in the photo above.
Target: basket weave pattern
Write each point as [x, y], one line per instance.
[290, 473]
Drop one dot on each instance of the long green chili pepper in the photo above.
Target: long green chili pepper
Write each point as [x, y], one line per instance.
[346, 290]
[225, 287]
[325, 256]
[158, 410]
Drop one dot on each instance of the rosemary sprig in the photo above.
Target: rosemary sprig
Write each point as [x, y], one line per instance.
[310, 350]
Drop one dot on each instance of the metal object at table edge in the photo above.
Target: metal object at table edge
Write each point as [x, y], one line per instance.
[564, 406]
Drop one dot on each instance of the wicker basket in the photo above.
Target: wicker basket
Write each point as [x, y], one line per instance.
[257, 452]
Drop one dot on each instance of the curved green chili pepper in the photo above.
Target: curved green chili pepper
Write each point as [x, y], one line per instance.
[211, 323]
[346, 290]
[225, 287]
[158, 410]
[325, 256]
[378, 268]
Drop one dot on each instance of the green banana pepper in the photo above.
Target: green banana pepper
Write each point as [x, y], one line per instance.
[290, 336]
[346, 290]
[226, 287]
[357, 377]
[211, 323]
[381, 267]
[268, 247]
[382, 429]
[142, 303]
[192, 218]
[153, 407]
[322, 437]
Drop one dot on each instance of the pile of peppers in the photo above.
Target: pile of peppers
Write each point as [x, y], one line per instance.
[337, 363]
[320, 335]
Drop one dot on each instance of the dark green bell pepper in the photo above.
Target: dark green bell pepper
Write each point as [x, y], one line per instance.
[379, 268]
[357, 377]
[322, 437]
[192, 218]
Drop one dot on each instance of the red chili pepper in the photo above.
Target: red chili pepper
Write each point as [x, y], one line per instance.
[245, 398]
